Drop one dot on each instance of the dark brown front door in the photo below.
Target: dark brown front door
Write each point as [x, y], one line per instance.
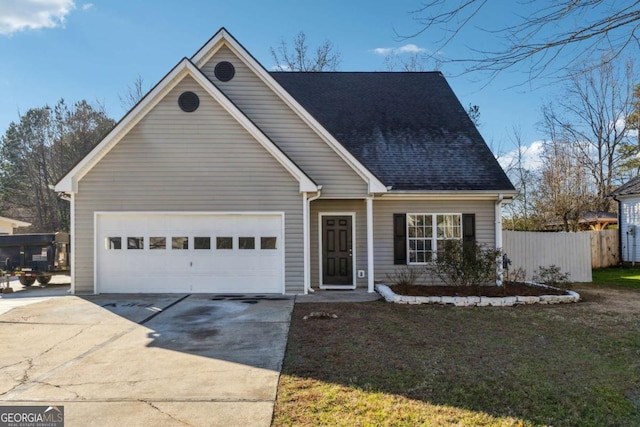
[337, 265]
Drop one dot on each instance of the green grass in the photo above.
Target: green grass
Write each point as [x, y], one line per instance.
[620, 276]
[402, 365]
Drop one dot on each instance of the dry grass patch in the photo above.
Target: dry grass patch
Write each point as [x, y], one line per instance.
[390, 364]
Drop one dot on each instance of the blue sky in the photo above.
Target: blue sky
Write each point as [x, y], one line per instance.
[52, 49]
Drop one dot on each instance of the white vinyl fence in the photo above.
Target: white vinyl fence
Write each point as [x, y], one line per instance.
[531, 250]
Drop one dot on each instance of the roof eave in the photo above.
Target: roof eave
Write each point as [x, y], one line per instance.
[450, 194]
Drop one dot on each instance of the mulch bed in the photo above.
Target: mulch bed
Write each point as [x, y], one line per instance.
[509, 289]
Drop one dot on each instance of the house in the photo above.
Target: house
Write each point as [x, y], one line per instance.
[227, 177]
[628, 198]
[8, 225]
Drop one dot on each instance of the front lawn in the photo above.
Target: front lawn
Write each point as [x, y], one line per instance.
[404, 365]
[623, 276]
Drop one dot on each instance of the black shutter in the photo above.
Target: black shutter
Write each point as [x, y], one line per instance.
[400, 239]
[468, 228]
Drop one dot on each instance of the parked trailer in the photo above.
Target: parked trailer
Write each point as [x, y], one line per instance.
[33, 257]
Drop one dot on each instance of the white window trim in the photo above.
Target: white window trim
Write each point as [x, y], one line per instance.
[434, 232]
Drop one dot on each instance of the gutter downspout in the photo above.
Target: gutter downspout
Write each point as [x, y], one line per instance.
[370, 273]
[620, 224]
[498, 226]
[306, 209]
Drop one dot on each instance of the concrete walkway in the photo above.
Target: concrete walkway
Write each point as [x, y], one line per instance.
[147, 360]
[336, 296]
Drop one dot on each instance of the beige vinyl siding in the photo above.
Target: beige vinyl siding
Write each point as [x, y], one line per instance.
[286, 129]
[176, 161]
[359, 207]
[383, 211]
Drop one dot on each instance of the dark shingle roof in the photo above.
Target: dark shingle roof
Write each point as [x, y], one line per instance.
[409, 129]
[631, 187]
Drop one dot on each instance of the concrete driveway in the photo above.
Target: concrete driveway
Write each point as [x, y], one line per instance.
[147, 360]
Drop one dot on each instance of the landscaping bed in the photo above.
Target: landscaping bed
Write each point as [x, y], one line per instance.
[509, 289]
[477, 296]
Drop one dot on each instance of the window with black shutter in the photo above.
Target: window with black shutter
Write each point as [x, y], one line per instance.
[400, 239]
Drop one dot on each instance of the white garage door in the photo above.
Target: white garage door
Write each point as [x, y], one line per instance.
[174, 252]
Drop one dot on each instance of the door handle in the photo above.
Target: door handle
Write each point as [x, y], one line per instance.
[350, 252]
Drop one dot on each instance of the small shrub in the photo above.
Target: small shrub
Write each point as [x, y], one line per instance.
[404, 276]
[552, 276]
[467, 264]
[515, 275]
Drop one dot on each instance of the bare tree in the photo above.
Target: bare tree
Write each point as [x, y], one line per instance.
[37, 151]
[525, 179]
[133, 94]
[543, 33]
[474, 114]
[299, 58]
[591, 115]
[564, 191]
[414, 62]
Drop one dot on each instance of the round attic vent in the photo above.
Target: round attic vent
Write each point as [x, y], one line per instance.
[224, 71]
[188, 102]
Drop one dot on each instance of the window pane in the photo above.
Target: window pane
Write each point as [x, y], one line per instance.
[179, 243]
[428, 226]
[224, 242]
[420, 225]
[113, 243]
[246, 242]
[202, 242]
[268, 242]
[449, 226]
[135, 242]
[157, 243]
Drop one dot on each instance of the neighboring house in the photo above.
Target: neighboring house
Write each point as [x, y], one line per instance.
[8, 225]
[229, 178]
[628, 198]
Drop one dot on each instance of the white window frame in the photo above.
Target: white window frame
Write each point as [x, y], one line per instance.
[434, 235]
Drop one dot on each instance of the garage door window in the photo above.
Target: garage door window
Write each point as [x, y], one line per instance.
[113, 243]
[224, 242]
[157, 243]
[202, 242]
[247, 242]
[179, 243]
[135, 242]
[268, 243]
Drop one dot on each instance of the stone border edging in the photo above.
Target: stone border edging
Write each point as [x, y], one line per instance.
[391, 296]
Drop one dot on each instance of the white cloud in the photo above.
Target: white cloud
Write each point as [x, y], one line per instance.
[530, 156]
[282, 67]
[411, 48]
[408, 48]
[87, 6]
[20, 15]
[383, 51]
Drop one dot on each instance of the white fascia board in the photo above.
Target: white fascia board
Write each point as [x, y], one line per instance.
[69, 184]
[448, 195]
[14, 222]
[629, 197]
[223, 37]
